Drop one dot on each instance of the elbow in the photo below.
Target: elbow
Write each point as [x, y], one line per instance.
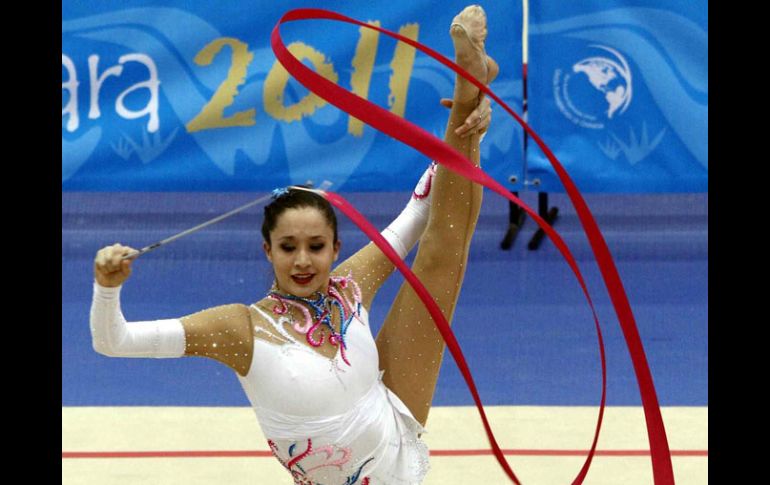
[102, 347]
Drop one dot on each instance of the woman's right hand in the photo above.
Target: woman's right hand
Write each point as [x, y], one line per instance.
[477, 123]
[110, 269]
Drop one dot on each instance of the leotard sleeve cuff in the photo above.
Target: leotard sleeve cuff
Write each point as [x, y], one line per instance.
[112, 336]
[404, 232]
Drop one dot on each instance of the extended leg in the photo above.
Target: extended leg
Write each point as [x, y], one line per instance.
[410, 347]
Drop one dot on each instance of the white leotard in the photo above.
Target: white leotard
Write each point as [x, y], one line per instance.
[342, 418]
[328, 422]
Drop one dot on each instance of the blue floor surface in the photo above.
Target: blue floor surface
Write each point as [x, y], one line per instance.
[522, 320]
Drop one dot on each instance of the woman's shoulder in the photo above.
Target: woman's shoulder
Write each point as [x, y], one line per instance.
[218, 313]
[262, 307]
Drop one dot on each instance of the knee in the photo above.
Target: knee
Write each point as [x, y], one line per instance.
[438, 251]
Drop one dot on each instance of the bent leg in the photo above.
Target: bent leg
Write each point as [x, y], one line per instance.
[409, 345]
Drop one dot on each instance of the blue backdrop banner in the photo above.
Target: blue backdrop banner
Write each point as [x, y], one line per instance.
[619, 91]
[188, 96]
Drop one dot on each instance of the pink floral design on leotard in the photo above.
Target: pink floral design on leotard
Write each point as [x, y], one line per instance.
[322, 305]
[333, 459]
[424, 184]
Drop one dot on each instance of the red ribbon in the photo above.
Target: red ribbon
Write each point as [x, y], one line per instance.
[437, 150]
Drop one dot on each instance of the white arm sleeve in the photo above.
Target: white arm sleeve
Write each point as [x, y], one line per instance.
[404, 232]
[114, 337]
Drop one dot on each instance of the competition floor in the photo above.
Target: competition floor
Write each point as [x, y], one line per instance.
[186, 421]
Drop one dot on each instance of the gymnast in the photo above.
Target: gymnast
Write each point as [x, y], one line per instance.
[337, 406]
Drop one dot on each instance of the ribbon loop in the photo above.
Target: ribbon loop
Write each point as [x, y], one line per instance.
[438, 150]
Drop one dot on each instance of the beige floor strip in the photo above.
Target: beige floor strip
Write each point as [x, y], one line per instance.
[532, 434]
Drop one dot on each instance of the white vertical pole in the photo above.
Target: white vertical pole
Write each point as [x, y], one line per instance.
[525, 75]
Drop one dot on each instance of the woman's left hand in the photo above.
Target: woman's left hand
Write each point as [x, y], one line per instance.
[477, 122]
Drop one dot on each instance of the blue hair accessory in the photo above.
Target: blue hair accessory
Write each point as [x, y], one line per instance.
[279, 192]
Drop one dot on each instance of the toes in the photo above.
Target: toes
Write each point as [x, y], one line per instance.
[456, 30]
[474, 20]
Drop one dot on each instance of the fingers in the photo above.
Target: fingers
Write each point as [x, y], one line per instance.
[110, 259]
[446, 102]
[487, 118]
[478, 121]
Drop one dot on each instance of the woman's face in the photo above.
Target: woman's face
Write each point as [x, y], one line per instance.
[302, 251]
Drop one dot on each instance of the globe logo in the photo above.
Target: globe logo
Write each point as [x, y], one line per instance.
[596, 89]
